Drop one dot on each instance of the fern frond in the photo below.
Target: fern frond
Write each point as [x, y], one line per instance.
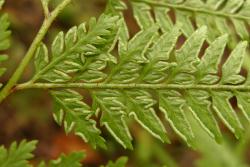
[121, 162]
[72, 160]
[70, 52]
[17, 155]
[4, 38]
[150, 72]
[75, 115]
[218, 16]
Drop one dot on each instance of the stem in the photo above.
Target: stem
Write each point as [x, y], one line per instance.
[29, 85]
[197, 10]
[30, 53]
[45, 8]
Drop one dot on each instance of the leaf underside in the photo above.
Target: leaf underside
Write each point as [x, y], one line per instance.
[220, 16]
[173, 81]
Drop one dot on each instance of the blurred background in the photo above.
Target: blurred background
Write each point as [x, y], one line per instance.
[28, 114]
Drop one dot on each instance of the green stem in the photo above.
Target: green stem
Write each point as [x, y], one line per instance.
[45, 8]
[29, 85]
[30, 53]
[196, 10]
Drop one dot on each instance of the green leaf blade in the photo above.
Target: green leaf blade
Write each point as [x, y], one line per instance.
[75, 116]
[232, 67]
[226, 113]
[209, 63]
[18, 154]
[171, 104]
[113, 116]
[140, 106]
[72, 160]
[201, 108]
[187, 55]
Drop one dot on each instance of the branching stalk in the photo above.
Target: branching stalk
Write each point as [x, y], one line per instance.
[131, 86]
[30, 53]
[45, 8]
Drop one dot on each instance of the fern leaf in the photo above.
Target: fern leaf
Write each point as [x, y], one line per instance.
[115, 7]
[113, 115]
[172, 105]
[142, 15]
[187, 56]
[67, 52]
[41, 57]
[159, 54]
[121, 162]
[243, 103]
[232, 67]
[218, 16]
[163, 19]
[225, 111]
[209, 63]
[199, 104]
[149, 72]
[75, 115]
[17, 155]
[140, 105]
[72, 159]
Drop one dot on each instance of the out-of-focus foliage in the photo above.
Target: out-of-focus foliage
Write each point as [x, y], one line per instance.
[19, 155]
[214, 154]
[4, 37]
[121, 162]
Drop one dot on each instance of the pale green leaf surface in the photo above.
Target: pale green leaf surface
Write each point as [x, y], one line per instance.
[41, 57]
[233, 6]
[127, 69]
[139, 44]
[163, 19]
[187, 55]
[243, 99]
[74, 115]
[232, 67]
[183, 19]
[209, 63]
[219, 16]
[142, 14]
[155, 70]
[140, 106]
[241, 29]
[213, 32]
[199, 104]
[226, 113]
[148, 71]
[171, 104]
[115, 6]
[69, 52]
[113, 115]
